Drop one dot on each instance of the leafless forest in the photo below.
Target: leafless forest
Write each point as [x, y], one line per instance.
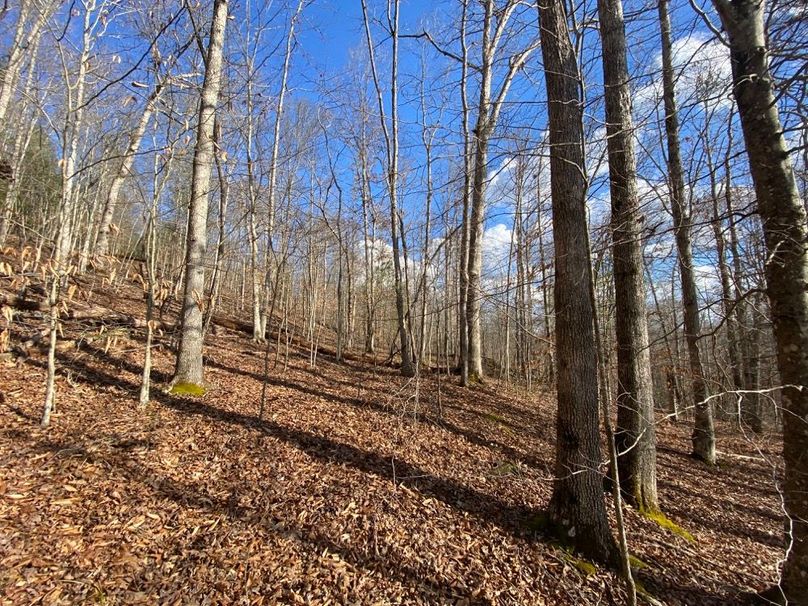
[404, 302]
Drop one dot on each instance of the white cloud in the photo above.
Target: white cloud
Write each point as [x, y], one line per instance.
[496, 247]
[707, 279]
[702, 69]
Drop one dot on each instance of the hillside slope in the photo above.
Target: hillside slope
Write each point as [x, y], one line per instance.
[348, 491]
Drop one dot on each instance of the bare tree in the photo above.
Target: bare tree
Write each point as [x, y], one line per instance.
[577, 507]
[489, 107]
[76, 90]
[784, 229]
[635, 436]
[391, 145]
[33, 14]
[703, 431]
[189, 368]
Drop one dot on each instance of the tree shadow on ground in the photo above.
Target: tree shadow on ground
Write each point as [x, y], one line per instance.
[190, 495]
[513, 519]
[370, 404]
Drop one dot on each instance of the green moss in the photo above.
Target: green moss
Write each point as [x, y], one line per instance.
[541, 523]
[586, 568]
[636, 563]
[663, 521]
[475, 379]
[642, 591]
[495, 417]
[505, 469]
[188, 389]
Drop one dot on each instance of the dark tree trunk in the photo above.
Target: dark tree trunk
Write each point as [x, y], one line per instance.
[635, 437]
[784, 228]
[577, 508]
[703, 431]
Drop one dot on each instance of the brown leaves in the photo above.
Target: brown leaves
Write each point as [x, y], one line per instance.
[335, 498]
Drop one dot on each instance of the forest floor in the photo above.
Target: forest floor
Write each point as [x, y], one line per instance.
[344, 493]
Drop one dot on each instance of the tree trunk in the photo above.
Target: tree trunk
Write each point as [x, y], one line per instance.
[391, 140]
[475, 250]
[577, 508]
[221, 236]
[189, 356]
[784, 229]
[734, 330]
[463, 265]
[23, 41]
[102, 242]
[64, 233]
[635, 436]
[703, 431]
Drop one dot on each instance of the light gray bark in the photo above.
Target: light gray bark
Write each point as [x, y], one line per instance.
[489, 106]
[189, 368]
[104, 225]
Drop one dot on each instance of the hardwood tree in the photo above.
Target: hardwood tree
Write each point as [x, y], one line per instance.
[189, 367]
[489, 107]
[391, 146]
[635, 434]
[577, 508]
[784, 228]
[703, 438]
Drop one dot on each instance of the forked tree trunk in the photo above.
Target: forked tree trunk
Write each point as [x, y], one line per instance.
[488, 109]
[189, 367]
[703, 431]
[635, 435]
[577, 509]
[784, 228]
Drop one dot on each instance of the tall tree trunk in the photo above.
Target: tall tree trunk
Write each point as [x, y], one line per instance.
[189, 368]
[23, 41]
[703, 431]
[221, 236]
[64, 229]
[475, 249]
[577, 506]
[426, 138]
[784, 229]
[369, 250]
[488, 109]
[463, 265]
[734, 331]
[368, 230]
[273, 161]
[25, 131]
[391, 140]
[635, 436]
[102, 242]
